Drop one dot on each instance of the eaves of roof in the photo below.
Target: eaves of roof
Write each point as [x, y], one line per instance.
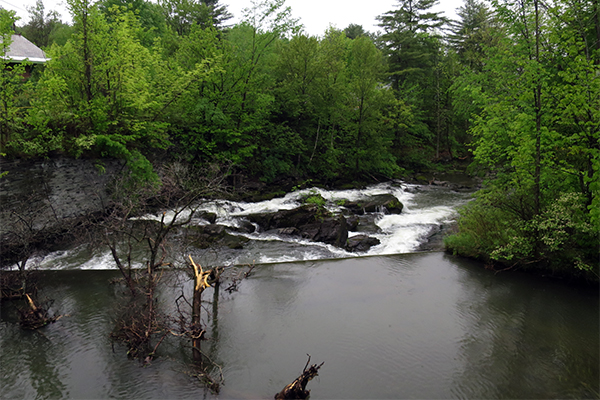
[21, 50]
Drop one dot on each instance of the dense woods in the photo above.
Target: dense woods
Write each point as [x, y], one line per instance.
[512, 86]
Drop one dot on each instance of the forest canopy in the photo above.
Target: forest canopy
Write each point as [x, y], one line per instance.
[514, 87]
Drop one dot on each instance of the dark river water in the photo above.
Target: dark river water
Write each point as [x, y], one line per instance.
[422, 325]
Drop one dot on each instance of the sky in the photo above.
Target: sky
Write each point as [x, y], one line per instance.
[315, 15]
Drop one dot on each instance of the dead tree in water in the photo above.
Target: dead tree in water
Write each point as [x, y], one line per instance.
[297, 389]
[202, 280]
[125, 233]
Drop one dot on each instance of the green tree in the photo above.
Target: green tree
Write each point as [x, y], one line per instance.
[97, 92]
[150, 15]
[181, 15]
[235, 104]
[11, 80]
[353, 31]
[406, 39]
[471, 33]
[367, 98]
[538, 135]
[311, 96]
[41, 28]
[331, 105]
[412, 45]
[298, 67]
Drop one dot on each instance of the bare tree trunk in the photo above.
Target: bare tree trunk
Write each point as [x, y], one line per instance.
[202, 280]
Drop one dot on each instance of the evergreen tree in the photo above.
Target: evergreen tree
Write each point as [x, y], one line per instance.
[181, 15]
[471, 33]
[411, 42]
[407, 39]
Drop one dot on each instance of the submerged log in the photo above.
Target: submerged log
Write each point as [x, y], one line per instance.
[297, 389]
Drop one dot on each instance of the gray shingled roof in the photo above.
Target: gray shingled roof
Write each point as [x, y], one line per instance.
[22, 49]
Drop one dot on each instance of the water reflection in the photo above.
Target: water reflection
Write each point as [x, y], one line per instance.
[418, 325]
[526, 338]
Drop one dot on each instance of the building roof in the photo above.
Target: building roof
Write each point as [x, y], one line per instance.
[22, 49]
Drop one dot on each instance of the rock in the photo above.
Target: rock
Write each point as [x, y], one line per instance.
[213, 230]
[208, 216]
[352, 222]
[386, 203]
[331, 231]
[306, 221]
[361, 243]
[234, 241]
[208, 235]
[290, 231]
[302, 215]
[245, 226]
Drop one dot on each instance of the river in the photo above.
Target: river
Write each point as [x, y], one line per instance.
[412, 325]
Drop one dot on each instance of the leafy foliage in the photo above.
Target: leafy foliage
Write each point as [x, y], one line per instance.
[537, 134]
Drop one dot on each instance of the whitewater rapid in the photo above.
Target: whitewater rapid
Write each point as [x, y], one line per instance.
[426, 208]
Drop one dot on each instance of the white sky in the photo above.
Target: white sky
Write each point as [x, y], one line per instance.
[315, 15]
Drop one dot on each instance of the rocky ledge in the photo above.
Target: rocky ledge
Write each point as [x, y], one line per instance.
[309, 221]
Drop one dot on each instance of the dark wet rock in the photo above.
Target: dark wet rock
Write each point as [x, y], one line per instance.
[331, 231]
[302, 215]
[435, 237]
[367, 224]
[213, 230]
[207, 216]
[306, 221]
[245, 226]
[289, 231]
[386, 203]
[352, 222]
[215, 235]
[234, 241]
[361, 243]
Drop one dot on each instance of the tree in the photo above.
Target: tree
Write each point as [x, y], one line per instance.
[299, 73]
[538, 135]
[97, 91]
[353, 31]
[181, 15]
[150, 16]
[41, 28]
[365, 68]
[229, 118]
[142, 324]
[405, 40]
[412, 45]
[471, 33]
[11, 81]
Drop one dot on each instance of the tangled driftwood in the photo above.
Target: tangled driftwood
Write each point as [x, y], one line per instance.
[35, 317]
[297, 389]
